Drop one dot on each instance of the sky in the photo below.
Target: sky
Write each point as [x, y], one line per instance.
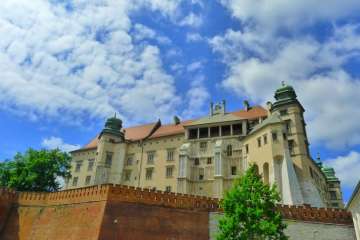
[67, 65]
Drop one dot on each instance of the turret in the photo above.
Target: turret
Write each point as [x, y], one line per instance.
[113, 126]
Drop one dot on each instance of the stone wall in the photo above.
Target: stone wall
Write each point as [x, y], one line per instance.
[121, 212]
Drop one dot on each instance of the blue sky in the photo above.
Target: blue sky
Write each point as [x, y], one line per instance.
[66, 65]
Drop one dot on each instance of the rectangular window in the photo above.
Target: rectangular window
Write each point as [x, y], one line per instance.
[237, 129]
[259, 142]
[169, 172]
[274, 136]
[247, 148]
[91, 164]
[209, 160]
[168, 189]
[75, 181]
[108, 159]
[288, 126]
[233, 170]
[201, 174]
[78, 166]
[225, 130]
[333, 195]
[197, 161]
[129, 160]
[265, 139]
[291, 146]
[229, 150]
[170, 154]
[150, 157]
[193, 133]
[87, 180]
[283, 112]
[311, 172]
[204, 132]
[127, 175]
[203, 145]
[149, 173]
[214, 131]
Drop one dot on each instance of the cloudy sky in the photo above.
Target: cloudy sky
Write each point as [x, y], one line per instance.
[66, 65]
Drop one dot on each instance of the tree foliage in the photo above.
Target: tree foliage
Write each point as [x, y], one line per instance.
[250, 211]
[35, 170]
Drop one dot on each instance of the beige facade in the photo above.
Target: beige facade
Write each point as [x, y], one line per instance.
[354, 207]
[205, 155]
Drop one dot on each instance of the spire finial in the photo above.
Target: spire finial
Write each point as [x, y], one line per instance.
[115, 115]
[318, 156]
[283, 83]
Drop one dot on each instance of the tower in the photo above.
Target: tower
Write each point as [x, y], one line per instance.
[311, 179]
[110, 153]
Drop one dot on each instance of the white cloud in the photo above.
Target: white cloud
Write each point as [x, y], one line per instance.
[294, 14]
[347, 168]
[55, 142]
[55, 62]
[192, 20]
[257, 63]
[143, 32]
[195, 66]
[193, 37]
[197, 97]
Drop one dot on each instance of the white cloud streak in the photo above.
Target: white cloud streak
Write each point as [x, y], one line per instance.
[58, 143]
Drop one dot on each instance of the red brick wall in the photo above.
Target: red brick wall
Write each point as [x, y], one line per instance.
[124, 221]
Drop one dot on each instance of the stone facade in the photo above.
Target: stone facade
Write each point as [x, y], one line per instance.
[203, 156]
[354, 207]
[123, 212]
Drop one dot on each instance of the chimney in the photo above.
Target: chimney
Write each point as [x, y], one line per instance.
[246, 105]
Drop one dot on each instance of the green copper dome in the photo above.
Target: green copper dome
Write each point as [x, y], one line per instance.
[113, 126]
[284, 96]
[329, 174]
[285, 92]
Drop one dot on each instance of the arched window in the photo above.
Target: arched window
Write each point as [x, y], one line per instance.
[229, 150]
[266, 173]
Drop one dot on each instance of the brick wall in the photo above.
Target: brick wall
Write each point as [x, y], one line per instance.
[119, 212]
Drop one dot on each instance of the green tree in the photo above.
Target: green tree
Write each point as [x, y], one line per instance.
[250, 211]
[35, 170]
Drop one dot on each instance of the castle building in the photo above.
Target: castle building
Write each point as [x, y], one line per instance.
[204, 156]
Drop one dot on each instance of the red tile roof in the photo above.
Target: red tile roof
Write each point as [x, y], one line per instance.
[144, 131]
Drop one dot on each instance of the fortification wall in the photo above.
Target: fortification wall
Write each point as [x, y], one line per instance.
[122, 212]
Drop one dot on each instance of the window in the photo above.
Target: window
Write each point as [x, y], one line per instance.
[129, 160]
[168, 189]
[149, 173]
[197, 161]
[335, 205]
[259, 142]
[214, 132]
[201, 174]
[333, 195]
[283, 112]
[203, 132]
[229, 150]
[233, 170]
[169, 171]
[127, 175]
[288, 126]
[87, 180]
[203, 145]
[91, 164]
[331, 185]
[247, 148]
[225, 130]
[291, 146]
[209, 160]
[75, 181]
[274, 136]
[150, 157]
[108, 159]
[265, 139]
[78, 166]
[237, 129]
[193, 134]
[170, 154]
